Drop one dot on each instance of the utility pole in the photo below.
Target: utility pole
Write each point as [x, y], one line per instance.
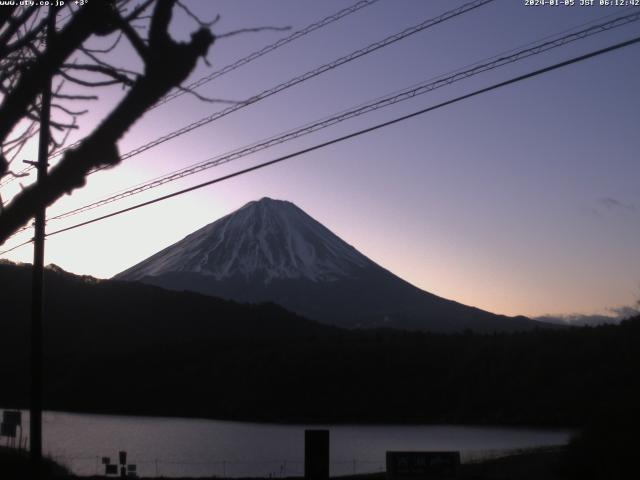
[37, 284]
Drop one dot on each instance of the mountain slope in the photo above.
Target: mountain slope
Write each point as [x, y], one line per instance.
[264, 240]
[271, 250]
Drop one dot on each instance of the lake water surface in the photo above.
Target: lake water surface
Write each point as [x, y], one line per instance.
[196, 447]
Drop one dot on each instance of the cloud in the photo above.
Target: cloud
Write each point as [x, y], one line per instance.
[610, 203]
[618, 314]
[625, 312]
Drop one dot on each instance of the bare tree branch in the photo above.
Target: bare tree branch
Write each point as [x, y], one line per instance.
[74, 97]
[108, 71]
[6, 14]
[109, 49]
[136, 41]
[31, 82]
[252, 30]
[73, 113]
[31, 35]
[88, 83]
[194, 17]
[167, 65]
[13, 27]
[136, 13]
[98, 61]
[207, 99]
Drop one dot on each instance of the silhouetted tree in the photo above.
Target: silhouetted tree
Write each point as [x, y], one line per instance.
[71, 60]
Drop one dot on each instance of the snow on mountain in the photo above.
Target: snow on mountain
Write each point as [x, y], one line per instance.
[272, 251]
[269, 239]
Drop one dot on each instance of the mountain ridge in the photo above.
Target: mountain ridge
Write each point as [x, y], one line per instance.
[271, 250]
[269, 221]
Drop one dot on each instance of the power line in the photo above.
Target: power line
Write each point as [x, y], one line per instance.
[269, 48]
[359, 132]
[16, 247]
[25, 171]
[581, 34]
[383, 102]
[301, 78]
[232, 66]
[458, 70]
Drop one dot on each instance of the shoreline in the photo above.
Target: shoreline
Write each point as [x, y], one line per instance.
[524, 464]
[314, 422]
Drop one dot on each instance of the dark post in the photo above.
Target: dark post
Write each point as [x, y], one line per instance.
[35, 424]
[122, 457]
[316, 454]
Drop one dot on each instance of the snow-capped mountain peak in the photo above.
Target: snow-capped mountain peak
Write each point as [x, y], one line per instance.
[265, 239]
[272, 251]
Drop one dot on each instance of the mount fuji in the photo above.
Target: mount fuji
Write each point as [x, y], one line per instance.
[272, 251]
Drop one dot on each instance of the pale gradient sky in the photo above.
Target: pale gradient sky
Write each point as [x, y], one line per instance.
[525, 200]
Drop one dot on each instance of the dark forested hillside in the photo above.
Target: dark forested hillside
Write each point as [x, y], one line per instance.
[132, 348]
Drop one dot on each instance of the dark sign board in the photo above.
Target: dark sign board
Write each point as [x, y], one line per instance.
[122, 456]
[316, 454]
[422, 465]
[131, 468]
[12, 417]
[8, 430]
[111, 469]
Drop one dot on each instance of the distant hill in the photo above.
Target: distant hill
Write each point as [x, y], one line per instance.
[271, 250]
[122, 347]
[114, 314]
[99, 332]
